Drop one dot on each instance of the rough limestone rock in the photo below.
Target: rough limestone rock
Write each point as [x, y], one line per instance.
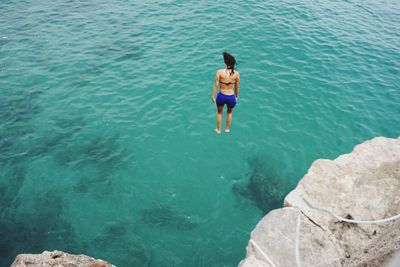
[57, 259]
[363, 185]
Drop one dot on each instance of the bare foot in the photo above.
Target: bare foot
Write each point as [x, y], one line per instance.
[227, 130]
[217, 131]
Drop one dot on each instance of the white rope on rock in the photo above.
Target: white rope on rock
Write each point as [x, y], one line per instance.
[262, 252]
[298, 226]
[392, 218]
[296, 243]
[297, 253]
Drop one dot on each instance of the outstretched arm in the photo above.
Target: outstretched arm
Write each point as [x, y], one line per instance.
[216, 82]
[237, 86]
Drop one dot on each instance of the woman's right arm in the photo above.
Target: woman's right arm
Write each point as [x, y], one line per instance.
[216, 83]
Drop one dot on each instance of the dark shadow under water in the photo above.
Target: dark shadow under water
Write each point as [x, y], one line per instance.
[34, 230]
[264, 184]
[34, 223]
[38, 223]
[167, 216]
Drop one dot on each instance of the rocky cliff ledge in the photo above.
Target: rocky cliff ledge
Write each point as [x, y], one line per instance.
[57, 259]
[362, 185]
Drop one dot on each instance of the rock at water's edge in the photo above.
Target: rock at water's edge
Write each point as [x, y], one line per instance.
[57, 259]
[363, 185]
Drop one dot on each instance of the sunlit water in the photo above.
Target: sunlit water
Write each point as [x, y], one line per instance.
[107, 145]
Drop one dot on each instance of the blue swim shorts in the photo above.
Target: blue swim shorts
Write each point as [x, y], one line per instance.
[229, 100]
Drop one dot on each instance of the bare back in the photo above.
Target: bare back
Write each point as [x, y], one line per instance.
[227, 82]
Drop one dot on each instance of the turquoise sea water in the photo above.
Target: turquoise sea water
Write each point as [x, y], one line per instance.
[107, 145]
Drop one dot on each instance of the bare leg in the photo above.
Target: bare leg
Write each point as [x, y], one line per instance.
[219, 119]
[228, 119]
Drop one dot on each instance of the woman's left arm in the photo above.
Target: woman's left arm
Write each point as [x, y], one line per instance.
[216, 83]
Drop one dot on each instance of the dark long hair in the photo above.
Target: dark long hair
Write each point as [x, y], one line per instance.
[230, 61]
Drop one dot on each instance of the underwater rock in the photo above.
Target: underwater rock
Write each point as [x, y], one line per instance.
[130, 56]
[99, 184]
[17, 108]
[102, 152]
[36, 228]
[167, 217]
[10, 185]
[57, 258]
[263, 185]
[363, 185]
[120, 236]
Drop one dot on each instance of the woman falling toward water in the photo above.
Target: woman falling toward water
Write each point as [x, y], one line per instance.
[228, 81]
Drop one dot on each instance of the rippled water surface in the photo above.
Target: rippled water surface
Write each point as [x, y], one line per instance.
[106, 124]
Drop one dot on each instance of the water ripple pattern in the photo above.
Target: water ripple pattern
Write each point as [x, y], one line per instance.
[106, 124]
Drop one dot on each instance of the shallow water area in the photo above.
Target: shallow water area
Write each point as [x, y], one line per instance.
[107, 143]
